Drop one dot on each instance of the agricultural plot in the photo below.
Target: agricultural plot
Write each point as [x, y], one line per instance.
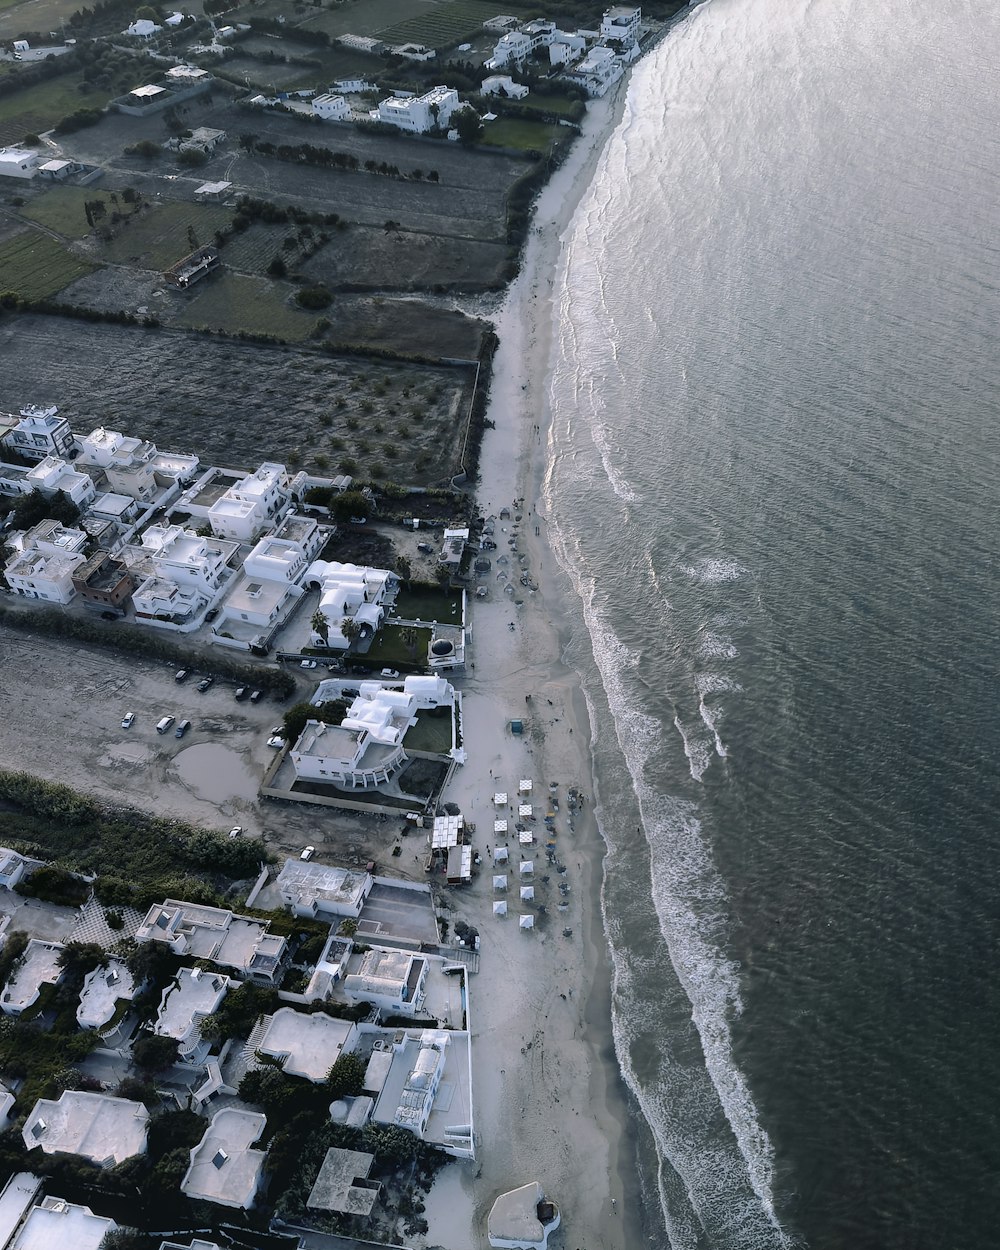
[528, 136]
[235, 302]
[17, 16]
[63, 209]
[159, 236]
[442, 26]
[37, 109]
[252, 250]
[37, 266]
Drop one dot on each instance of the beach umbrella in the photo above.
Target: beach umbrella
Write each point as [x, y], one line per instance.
[500, 909]
[500, 826]
[500, 882]
[525, 839]
[524, 786]
[527, 867]
[527, 893]
[500, 798]
[527, 922]
[524, 809]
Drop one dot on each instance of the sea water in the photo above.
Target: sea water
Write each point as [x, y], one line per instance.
[774, 485]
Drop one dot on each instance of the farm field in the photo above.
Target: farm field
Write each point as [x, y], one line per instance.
[220, 398]
[160, 235]
[62, 209]
[234, 302]
[441, 26]
[17, 16]
[38, 108]
[37, 266]
[514, 132]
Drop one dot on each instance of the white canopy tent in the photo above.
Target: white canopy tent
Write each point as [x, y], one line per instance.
[500, 855]
[527, 867]
[527, 893]
[500, 909]
[527, 922]
[524, 786]
[500, 882]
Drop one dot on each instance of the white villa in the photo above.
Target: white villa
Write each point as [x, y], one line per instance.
[504, 85]
[252, 505]
[128, 463]
[52, 475]
[269, 581]
[406, 1074]
[97, 1127]
[351, 591]
[188, 999]
[27, 1223]
[40, 432]
[38, 966]
[597, 72]
[420, 114]
[38, 574]
[220, 936]
[331, 107]
[522, 1219]
[102, 991]
[621, 24]
[223, 1167]
[394, 980]
[18, 163]
[307, 1045]
[178, 571]
[366, 749]
[319, 892]
[142, 28]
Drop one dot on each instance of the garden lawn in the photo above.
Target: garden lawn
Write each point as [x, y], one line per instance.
[37, 266]
[514, 132]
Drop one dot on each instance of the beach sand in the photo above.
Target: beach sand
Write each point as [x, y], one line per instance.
[550, 1104]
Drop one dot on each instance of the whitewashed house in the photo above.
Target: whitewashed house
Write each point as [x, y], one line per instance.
[348, 591]
[102, 991]
[621, 24]
[186, 1001]
[96, 1127]
[53, 476]
[394, 980]
[18, 163]
[41, 432]
[331, 107]
[128, 463]
[224, 1169]
[187, 559]
[252, 505]
[38, 966]
[420, 114]
[142, 28]
[43, 575]
[504, 85]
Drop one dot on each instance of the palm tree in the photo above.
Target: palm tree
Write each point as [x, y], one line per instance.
[321, 626]
[350, 628]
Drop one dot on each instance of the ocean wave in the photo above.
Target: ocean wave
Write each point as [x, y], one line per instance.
[715, 646]
[713, 572]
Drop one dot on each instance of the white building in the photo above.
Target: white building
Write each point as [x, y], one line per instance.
[504, 85]
[366, 748]
[97, 1127]
[513, 48]
[103, 989]
[13, 867]
[143, 28]
[38, 966]
[420, 114]
[393, 980]
[183, 557]
[224, 1169]
[18, 163]
[50, 1224]
[322, 893]
[128, 463]
[188, 999]
[41, 432]
[621, 24]
[597, 72]
[348, 591]
[407, 1073]
[157, 599]
[42, 575]
[252, 505]
[332, 108]
[453, 547]
[522, 1219]
[217, 935]
[566, 48]
[14, 480]
[305, 1044]
[53, 476]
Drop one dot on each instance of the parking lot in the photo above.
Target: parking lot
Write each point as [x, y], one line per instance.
[62, 708]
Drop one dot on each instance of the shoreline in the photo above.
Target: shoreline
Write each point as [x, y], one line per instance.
[551, 1103]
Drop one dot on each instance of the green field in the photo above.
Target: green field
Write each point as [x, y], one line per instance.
[512, 132]
[159, 236]
[253, 249]
[234, 302]
[38, 108]
[62, 209]
[441, 26]
[36, 266]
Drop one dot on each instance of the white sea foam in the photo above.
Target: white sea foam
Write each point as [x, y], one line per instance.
[711, 572]
[716, 683]
[697, 750]
[715, 646]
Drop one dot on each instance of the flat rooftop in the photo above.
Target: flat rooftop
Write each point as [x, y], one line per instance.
[223, 1167]
[56, 1224]
[39, 966]
[336, 886]
[187, 998]
[254, 594]
[311, 1043]
[337, 1186]
[97, 1127]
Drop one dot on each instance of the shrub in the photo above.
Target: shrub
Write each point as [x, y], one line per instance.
[313, 297]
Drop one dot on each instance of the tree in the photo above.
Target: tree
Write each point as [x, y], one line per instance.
[268, 1088]
[469, 125]
[350, 628]
[153, 1053]
[277, 268]
[346, 1078]
[146, 14]
[320, 625]
[390, 1143]
[403, 570]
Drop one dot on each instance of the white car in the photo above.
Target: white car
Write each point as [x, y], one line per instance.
[308, 852]
[128, 720]
[388, 672]
[236, 832]
[276, 742]
[307, 663]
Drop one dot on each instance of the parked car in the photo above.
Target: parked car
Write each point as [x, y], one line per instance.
[426, 548]
[256, 696]
[308, 852]
[182, 727]
[388, 672]
[128, 720]
[277, 731]
[182, 674]
[242, 693]
[210, 615]
[307, 663]
[163, 724]
[276, 742]
[236, 831]
[206, 683]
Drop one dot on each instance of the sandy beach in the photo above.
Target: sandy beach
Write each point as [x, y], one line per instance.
[550, 1104]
